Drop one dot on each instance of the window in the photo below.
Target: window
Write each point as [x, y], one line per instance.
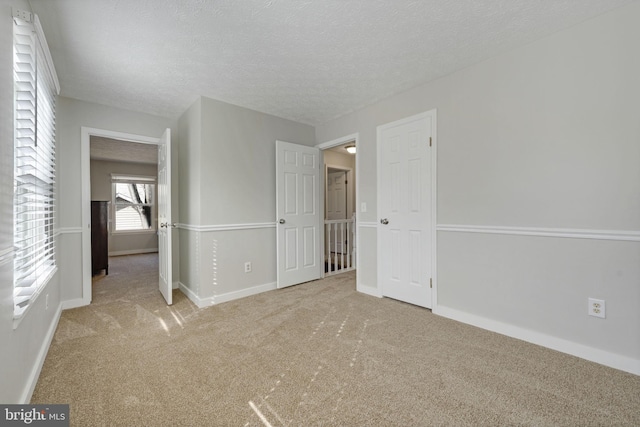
[133, 203]
[35, 90]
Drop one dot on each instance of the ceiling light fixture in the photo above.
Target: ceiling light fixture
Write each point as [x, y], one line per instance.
[351, 149]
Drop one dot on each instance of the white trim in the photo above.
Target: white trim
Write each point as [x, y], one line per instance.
[226, 297]
[68, 230]
[191, 295]
[434, 208]
[242, 293]
[32, 380]
[72, 303]
[6, 255]
[602, 357]
[368, 290]
[131, 178]
[226, 227]
[339, 141]
[368, 224]
[85, 180]
[133, 252]
[43, 282]
[574, 233]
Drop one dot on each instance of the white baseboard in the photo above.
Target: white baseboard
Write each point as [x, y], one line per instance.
[368, 290]
[133, 252]
[174, 285]
[191, 295]
[44, 349]
[602, 357]
[229, 296]
[42, 355]
[73, 303]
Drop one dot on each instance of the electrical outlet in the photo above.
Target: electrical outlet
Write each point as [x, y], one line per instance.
[247, 267]
[46, 302]
[596, 307]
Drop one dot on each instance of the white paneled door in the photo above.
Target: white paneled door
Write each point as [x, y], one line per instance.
[298, 216]
[336, 207]
[337, 195]
[405, 210]
[164, 216]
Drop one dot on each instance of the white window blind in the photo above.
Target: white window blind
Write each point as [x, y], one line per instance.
[35, 87]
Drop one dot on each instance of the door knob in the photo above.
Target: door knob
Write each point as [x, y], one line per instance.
[282, 221]
[384, 221]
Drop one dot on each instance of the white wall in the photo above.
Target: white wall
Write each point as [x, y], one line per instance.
[123, 243]
[188, 148]
[72, 116]
[23, 349]
[230, 151]
[545, 136]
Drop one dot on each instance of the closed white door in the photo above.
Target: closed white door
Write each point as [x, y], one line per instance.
[298, 215]
[336, 195]
[164, 217]
[404, 207]
[336, 208]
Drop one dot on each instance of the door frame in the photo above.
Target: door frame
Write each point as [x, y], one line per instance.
[85, 170]
[355, 138]
[432, 114]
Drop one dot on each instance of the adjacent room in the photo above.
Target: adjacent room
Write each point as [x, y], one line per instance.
[267, 213]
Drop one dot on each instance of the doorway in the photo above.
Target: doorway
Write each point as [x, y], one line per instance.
[301, 239]
[340, 195]
[123, 178]
[132, 219]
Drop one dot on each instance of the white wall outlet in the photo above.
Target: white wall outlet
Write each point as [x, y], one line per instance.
[247, 267]
[46, 302]
[363, 207]
[596, 307]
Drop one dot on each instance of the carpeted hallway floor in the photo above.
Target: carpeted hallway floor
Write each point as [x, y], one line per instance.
[313, 354]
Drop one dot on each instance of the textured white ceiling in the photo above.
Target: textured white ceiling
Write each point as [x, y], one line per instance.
[305, 60]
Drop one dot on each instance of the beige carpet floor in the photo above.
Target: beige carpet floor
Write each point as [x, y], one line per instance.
[313, 354]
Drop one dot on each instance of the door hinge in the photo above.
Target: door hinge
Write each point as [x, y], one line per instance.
[429, 141]
[431, 283]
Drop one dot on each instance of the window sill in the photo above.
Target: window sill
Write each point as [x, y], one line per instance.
[45, 282]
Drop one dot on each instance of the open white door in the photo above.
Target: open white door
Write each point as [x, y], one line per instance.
[404, 206]
[298, 215]
[164, 216]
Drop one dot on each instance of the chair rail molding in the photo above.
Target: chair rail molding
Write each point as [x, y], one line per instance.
[572, 233]
[367, 224]
[226, 227]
